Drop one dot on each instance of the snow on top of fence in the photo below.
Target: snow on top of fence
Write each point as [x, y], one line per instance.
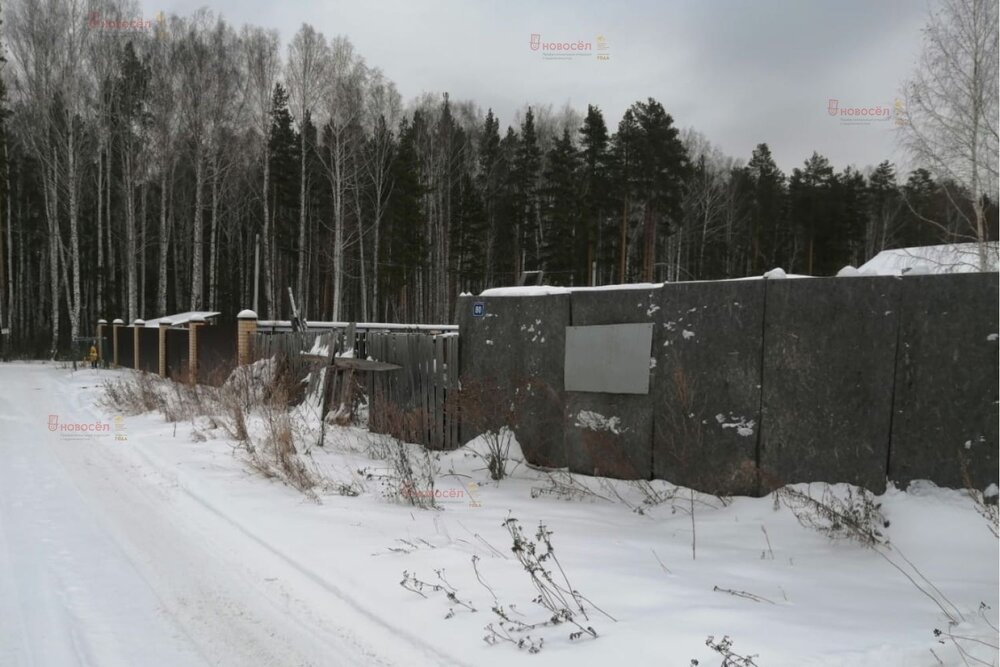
[181, 318]
[359, 326]
[545, 290]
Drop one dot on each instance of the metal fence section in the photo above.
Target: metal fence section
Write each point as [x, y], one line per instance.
[417, 402]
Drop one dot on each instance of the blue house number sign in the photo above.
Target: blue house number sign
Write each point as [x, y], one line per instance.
[478, 309]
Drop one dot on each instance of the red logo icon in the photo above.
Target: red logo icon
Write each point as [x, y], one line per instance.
[831, 107]
[536, 41]
[53, 422]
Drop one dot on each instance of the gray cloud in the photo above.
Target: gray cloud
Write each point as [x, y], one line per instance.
[740, 72]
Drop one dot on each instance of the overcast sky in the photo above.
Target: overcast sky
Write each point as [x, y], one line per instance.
[740, 72]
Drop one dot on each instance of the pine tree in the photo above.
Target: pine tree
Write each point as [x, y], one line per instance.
[564, 251]
[844, 239]
[769, 233]
[624, 161]
[284, 152]
[662, 169]
[404, 245]
[468, 244]
[884, 206]
[595, 196]
[488, 180]
[508, 212]
[810, 202]
[526, 173]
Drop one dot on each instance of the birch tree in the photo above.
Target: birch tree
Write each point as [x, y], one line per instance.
[342, 106]
[383, 113]
[164, 125]
[951, 120]
[308, 59]
[225, 117]
[194, 61]
[261, 67]
[33, 45]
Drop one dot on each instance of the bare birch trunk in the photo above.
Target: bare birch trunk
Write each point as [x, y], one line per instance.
[338, 228]
[213, 240]
[198, 233]
[130, 236]
[161, 288]
[300, 269]
[100, 231]
[268, 268]
[74, 232]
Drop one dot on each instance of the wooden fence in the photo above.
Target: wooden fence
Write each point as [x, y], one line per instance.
[412, 402]
[415, 403]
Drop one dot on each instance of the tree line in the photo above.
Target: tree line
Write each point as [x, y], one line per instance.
[152, 170]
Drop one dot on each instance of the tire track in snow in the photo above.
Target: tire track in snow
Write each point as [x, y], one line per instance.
[117, 482]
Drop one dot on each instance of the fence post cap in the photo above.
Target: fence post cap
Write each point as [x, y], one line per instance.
[139, 322]
[118, 320]
[102, 321]
[246, 315]
[166, 322]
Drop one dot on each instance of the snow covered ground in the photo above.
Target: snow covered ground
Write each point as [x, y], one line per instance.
[154, 543]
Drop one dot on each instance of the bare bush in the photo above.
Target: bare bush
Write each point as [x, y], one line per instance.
[730, 658]
[415, 585]
[412, 471]
[277, 454]
[564, 604]
[985, 506]
[484, 407]
[133, 394]
[856, 516]
[859, 518]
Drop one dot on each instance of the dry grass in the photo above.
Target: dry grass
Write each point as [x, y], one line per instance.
[251, 406]
[132, 395]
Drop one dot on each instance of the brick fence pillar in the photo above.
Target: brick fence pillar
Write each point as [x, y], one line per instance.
[164, 325]
[193, 327]
[137, 325]
[246, 325]
[115, 326]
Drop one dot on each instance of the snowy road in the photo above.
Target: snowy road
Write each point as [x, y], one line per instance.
[105, 560]
[165, 548]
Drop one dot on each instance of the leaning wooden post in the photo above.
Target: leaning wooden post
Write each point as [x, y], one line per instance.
[164, 325]
[100, 340]
[246, 325]
[115, 326]
[193, 326]
[138, 324]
